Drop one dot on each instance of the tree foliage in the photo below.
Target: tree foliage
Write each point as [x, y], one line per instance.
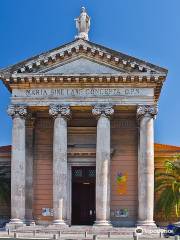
[167, 184]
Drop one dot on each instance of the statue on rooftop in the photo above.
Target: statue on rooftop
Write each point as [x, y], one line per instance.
[83, 24]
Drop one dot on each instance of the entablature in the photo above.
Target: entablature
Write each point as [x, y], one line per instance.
[83, 62]
[125, 80]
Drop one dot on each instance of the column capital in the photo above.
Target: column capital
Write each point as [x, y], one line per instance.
[17, 111]
[106, 110]
[56, 109]
[147, 110]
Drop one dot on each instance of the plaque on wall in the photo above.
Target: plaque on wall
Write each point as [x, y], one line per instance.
[46, 212]
[120, 213]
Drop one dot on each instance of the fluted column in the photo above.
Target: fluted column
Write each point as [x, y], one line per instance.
[60, 114]
[18, 168]
[146, 116]
[103, 165]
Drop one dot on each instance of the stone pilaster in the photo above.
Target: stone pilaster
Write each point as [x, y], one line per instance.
[60, 115]
[18, 164]
[29, 196]
[103, 165]
[146, 116]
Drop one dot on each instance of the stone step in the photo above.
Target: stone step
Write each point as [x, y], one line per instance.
[78, 232]
[76, 229]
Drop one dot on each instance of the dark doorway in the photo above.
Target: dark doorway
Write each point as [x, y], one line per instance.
[83, 195]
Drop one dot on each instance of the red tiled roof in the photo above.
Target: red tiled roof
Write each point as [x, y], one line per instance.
[166, 147]
[5, 149]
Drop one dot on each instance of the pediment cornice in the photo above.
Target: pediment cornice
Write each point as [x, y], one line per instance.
[130, 70]
[82, 48]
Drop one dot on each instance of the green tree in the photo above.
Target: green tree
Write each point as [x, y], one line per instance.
[167, 184]
[5, 185]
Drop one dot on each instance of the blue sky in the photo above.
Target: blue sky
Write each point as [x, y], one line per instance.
[147, 29]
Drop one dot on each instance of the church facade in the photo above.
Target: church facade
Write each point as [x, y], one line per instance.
[83, 135]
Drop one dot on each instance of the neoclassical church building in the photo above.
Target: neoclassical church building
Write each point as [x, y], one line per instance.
[83, 135]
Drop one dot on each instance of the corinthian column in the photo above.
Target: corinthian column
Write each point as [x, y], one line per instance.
[146, 116]
[60, 114]
[18, 168]
[103, 165]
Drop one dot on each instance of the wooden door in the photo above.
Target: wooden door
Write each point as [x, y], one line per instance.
[83, 195]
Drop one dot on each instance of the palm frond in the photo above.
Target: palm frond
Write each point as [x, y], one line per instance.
[168, 184]
[164, 174]
[165, 202]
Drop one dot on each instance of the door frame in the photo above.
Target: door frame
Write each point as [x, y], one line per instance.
[75, 162]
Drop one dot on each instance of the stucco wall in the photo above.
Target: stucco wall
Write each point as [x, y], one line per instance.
[123, 161]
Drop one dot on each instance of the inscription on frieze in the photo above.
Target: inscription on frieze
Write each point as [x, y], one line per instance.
[81, 92]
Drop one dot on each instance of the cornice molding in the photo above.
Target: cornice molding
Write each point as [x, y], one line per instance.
[87, 49]
[38, 79]
[44, 78]
[136, 70]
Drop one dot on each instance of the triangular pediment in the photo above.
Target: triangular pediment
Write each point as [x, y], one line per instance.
[81, 61]
[80, 57]
[81, 66]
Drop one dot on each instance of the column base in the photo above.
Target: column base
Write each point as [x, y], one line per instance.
[146, 224]
[30, 223]
[59, 223]
[102, 223]
[15, 223]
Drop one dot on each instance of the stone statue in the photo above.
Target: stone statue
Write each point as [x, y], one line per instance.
[83, 25]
